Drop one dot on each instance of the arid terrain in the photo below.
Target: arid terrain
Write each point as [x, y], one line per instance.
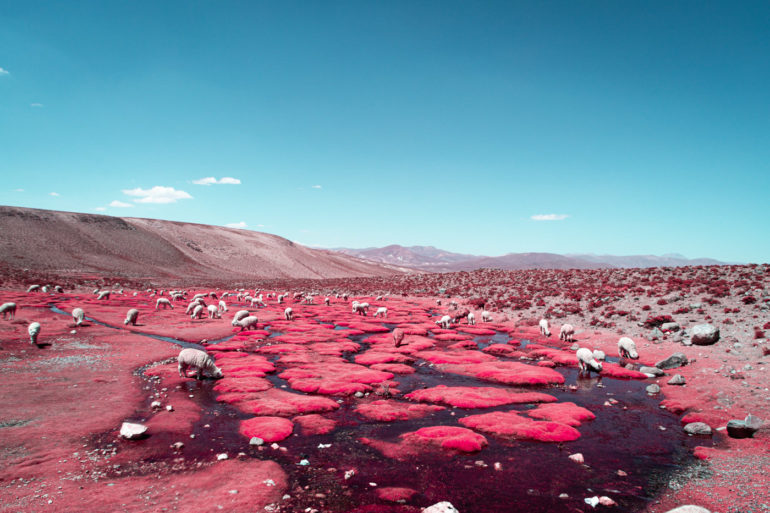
[324, 412]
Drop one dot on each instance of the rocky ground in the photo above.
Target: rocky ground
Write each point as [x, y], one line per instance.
[331, 377]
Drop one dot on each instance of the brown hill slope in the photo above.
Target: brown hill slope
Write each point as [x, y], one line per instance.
[70, 243]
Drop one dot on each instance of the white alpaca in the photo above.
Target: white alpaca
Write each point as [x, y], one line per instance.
[162, 301]
[627, 348]
[567, 333]
[34, 331]
[444, 322]
[471, 319]
[544, 328]
[381, 311]
[249, 322]
[132, 316]
[586, 361]
[197, 311]
[222, 306]
[213, 312]
[327, 301]
[288, 314]
[105, 294]
[34, 288]
[199, 361]
[8, 309]
[240, 314]
[78, 315]
[486, 316]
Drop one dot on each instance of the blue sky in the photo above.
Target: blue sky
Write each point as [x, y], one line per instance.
[628, 127]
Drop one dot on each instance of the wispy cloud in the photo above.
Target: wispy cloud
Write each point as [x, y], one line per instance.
[4, 71]
[260, 226]
[241, 225]
[18, 190]
[36, 105]
[54, 194]
[120, 204]
[157, 194]
[549, 217]
[316, 187]
[210, 180]
[100, 209]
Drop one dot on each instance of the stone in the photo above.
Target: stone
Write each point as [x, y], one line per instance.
[673, 361]
[255, 440]
[744, 428]
[697, 428]
[653, 389]
[441, 507]
[678, 379]
[133, 431]
[577, 457]
[656, 334]
[688, 508]
[670, 326]
[696, 306]
[651, 370]
[704, 334]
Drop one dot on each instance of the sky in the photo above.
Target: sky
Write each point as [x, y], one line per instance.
[605, 127]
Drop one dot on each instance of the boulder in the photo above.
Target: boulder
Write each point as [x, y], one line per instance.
[653, 389]
[133, 431]
[656, 334]
[670, 326]
[688, 508]
[744, 428]
[704, 334]
[678, 379]
[654, 371]
[441, 507]
[697, 428]
[672, 362]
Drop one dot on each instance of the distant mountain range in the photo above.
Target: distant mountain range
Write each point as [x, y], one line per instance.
[429, 258]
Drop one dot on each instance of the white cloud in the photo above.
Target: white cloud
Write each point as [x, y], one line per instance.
[19, 190]
[54, 194]
[37, 105]
[240, 225]
[316, 187]
[157, 194]
[4, 71]
[260, 226]
[120, 204]
[210, 180]
[100, 209]
[549, 217]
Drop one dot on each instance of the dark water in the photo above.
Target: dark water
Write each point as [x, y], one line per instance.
[532, 474]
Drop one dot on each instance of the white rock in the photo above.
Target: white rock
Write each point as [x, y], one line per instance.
[577, 457]
[132, 431]
[441, 507]
[222, 456]
[592, 501]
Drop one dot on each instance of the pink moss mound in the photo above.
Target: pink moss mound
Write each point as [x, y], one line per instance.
[503, 350]
[315, 424]
[443, 438]
[395, 494]
[333, 378]
[616, 371]
[395, 368]
[245, 385]
[477, 397]
[565, 413]
[476, 331]
[511, 425]
[508, 373]
[455, 357]
[280, 403]
[269, 429]
[389, 411]
[373, 357]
